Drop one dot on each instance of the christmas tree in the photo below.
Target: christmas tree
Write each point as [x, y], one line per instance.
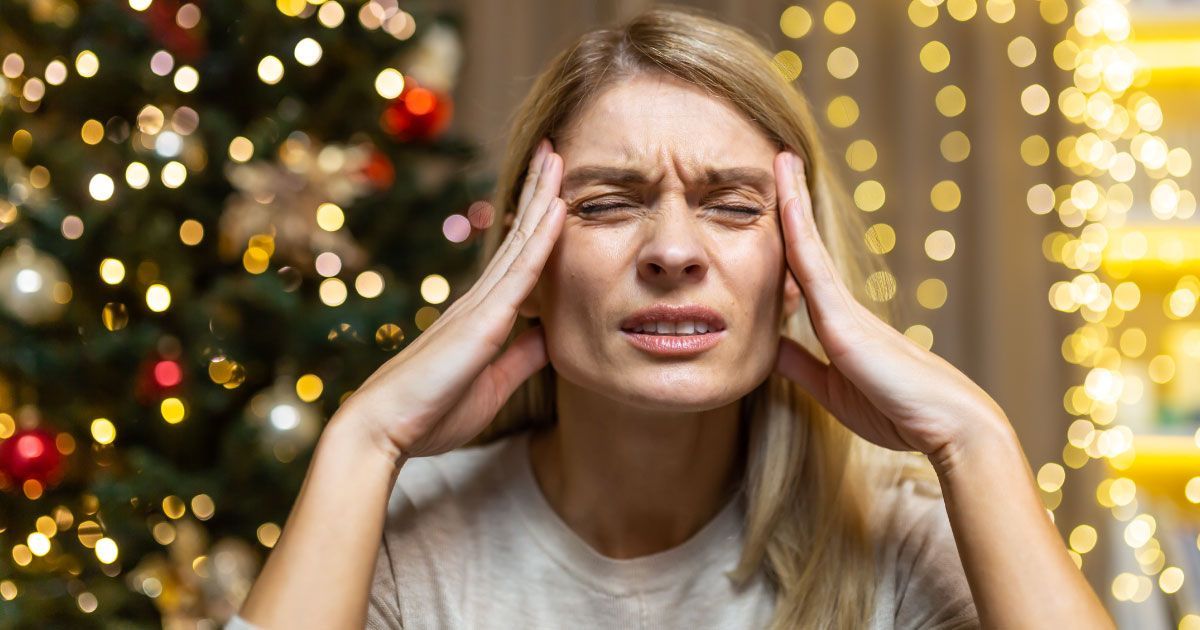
[216, 220]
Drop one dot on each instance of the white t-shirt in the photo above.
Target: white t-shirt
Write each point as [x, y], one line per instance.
[471, 542]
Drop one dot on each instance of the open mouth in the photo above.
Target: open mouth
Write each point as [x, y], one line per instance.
[687, 327]
[674, 330]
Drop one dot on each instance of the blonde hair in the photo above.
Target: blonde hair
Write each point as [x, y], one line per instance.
[809, 481]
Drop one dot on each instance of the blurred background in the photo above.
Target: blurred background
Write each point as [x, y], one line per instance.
[217, 218]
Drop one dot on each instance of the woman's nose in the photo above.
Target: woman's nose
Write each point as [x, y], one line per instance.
[672, 249]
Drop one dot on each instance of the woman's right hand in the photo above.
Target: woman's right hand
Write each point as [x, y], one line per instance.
[448, 384]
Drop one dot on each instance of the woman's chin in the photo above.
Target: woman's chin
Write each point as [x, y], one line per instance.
[667, 396]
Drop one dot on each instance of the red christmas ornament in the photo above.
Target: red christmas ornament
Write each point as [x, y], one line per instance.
[158, 377]
[379, 170]
[162, 20]
[31, 454]
[419, 113]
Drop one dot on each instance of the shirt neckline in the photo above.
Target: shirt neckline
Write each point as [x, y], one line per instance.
[715, 546]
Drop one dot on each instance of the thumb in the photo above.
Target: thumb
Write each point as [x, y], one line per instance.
[514, 366]
[797, 364]
[523, 357]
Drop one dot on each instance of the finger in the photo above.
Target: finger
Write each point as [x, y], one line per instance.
[532, 176]
[523, 274]
[829, 301]
[535, 170]
[504, 253]
[799, 365]
[523, 233]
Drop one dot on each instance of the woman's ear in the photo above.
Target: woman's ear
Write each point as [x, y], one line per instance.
[791, 294]
[531, 306]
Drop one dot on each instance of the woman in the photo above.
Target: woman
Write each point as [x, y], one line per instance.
[698, 423]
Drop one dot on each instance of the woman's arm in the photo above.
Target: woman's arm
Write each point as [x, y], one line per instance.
[1019, 571]
[319, 573]
[900, 395]
[434, 396]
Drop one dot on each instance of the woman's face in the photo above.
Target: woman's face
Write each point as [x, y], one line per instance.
[671, 201]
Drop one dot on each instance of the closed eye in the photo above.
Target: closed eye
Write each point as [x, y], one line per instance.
[596, 208]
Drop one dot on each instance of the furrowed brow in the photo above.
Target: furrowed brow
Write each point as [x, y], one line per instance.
[606, 174]
[757, 178]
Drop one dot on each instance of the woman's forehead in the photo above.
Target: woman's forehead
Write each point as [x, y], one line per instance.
[646, 120]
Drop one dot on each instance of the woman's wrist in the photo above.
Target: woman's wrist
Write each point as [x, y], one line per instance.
[978, 439]
[348, 433]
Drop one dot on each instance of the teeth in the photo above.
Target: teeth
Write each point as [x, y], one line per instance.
[673, 328]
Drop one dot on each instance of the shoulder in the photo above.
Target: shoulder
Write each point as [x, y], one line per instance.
[440, 513]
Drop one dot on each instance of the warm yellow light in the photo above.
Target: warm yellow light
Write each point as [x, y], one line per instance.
[112, 271]
[172, 410]
[1022, 52]
[101, 187]
[869, 196]
[308, 51]
[389, 83]
[435, 289]
[270, 70]
[1035, 99]
[309, 387]
[795, 22]
[861, 155]
[842, 63]
[137, 175]
[932, 293]
[38, 543]
[330, 217]
[158, 298]
[241, 149]
[87, 64]
[939, 245]
[921, 334]
[103, 431]
[174, 173]
[106, 550]
[945, 196]
[842, 111]
[839, 17]
[369, 284]
[332, 291]
[331, 14]
[788, 64]
[1050, 477]
[950, 101]
[92, 132]
[186, 79]
[191, 232]
[880, 238]
[934, 56]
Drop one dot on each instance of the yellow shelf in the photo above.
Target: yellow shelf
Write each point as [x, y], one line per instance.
[1170, 252]
[1162, 466]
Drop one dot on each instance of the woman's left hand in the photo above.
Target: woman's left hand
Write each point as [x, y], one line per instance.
[879, 383]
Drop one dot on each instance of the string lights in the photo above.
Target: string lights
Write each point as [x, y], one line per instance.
[1119, 238]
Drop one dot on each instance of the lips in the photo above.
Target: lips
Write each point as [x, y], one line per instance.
[674, 330]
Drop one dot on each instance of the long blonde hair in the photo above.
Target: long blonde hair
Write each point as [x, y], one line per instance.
[809, 481]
